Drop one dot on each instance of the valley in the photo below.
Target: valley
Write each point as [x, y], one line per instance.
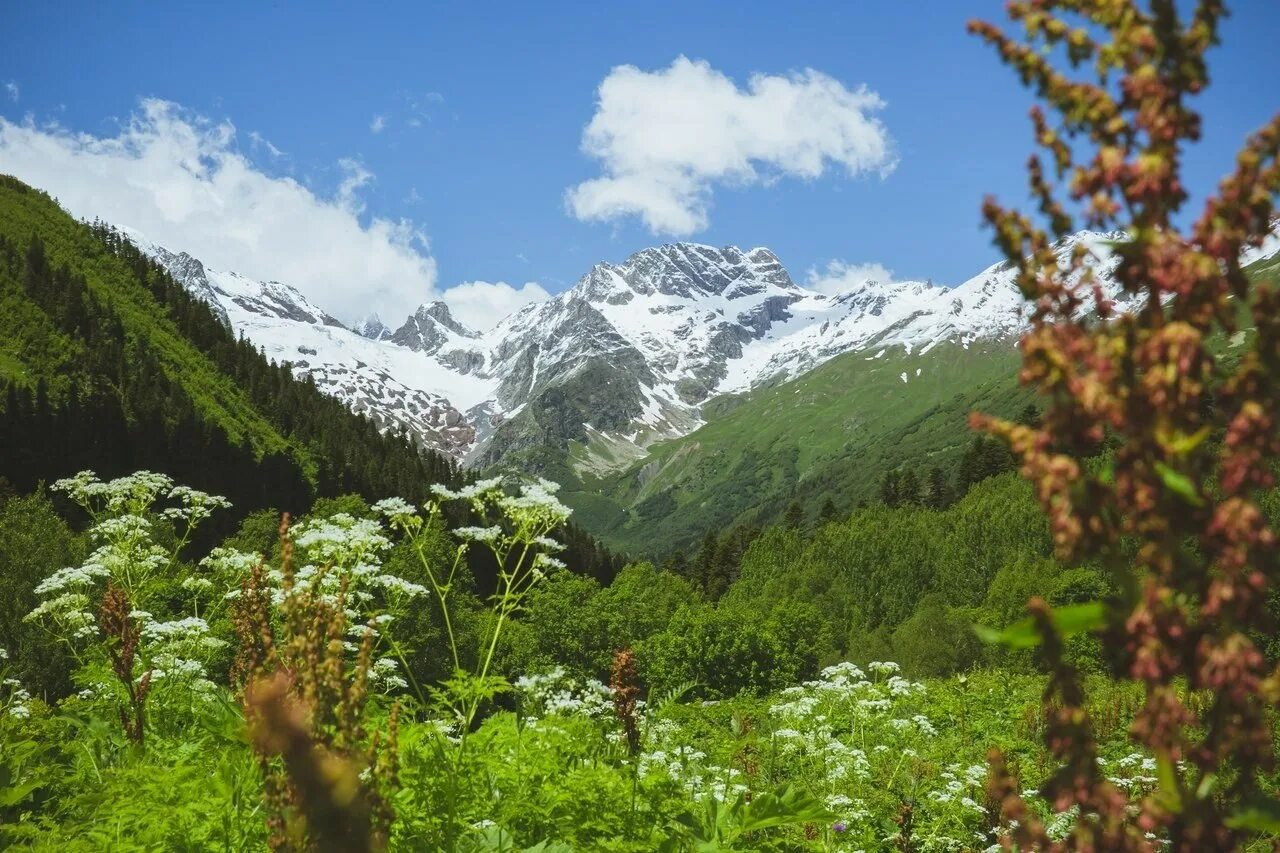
[503, 430]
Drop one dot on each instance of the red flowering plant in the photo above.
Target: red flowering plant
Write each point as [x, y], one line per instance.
[1170, 507]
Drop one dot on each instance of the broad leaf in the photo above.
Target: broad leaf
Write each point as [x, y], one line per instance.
[1261, 815]
[1068, 621]
[1180, 484]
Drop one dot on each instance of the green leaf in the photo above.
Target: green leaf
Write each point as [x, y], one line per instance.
[784, 806]
[1170, 793]
[1180, 484]
[1070, 620]
[1261, 815]
[1184, 444]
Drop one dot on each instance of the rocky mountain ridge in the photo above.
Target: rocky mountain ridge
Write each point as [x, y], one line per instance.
[627, 356]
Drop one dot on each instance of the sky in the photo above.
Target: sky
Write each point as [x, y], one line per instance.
[378, 158]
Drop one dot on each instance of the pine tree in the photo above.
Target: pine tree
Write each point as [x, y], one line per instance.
[676, 563]
[967, 472]
[889, 494]
[704, 562]
[939, 494]
[828, 513]
[909, 488]
[794, 517]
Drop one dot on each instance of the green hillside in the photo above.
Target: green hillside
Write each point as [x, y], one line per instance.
[831, 433]
[106, 362]
[34, 350]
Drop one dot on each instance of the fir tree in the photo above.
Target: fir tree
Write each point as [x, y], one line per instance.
[889, 494]
[909, 488]
[828, 513]
[938, 495]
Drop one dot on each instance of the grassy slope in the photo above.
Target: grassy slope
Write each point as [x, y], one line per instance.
[31, 348]
[833, 432]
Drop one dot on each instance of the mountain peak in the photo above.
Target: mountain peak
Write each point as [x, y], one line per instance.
[373, 328]
[687, 271]
[438, 310]
[430, 328]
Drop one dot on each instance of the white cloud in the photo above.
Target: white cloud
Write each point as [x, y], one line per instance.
[378, 124]
[665, 138]
[355, 178]
[839, 276]
[481, 304]
[14, 92]
[179, 179]
[261, 141]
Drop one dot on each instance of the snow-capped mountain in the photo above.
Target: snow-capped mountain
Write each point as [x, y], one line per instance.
[379, 379]
[624, 358]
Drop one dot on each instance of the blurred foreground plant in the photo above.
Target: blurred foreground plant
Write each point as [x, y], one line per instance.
[1173, 515]
[327, 784]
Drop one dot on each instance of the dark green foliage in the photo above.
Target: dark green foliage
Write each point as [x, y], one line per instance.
[572, 621]
[909, 488]
[34, 540]
[984, 457]
[937, 491]
[936, 639]
[794, 516]
[902, 583]
[869, 576]
[728, 650]
[828, 513]
[889, 495]
[716, 563]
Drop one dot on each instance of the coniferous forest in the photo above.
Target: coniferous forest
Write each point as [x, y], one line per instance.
[236, 615]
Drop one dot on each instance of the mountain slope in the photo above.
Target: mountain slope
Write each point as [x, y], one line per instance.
[108, 363]
[832, 433]
[360, 370]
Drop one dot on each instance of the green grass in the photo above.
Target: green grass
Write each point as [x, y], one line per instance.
[831, 432]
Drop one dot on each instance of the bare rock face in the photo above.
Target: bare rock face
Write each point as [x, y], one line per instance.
[431, 328]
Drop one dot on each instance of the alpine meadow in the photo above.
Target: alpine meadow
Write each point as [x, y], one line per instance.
[703, 550]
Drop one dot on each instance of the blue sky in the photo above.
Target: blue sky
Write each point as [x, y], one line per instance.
[484, 106]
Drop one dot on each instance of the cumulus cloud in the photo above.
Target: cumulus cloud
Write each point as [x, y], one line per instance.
[378, 124]
[13, 91]
[665, 138]
[481, 304]
[839, 276]
[180, 180]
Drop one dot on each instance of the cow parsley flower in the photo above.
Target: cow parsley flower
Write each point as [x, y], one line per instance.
[479, 534]
[341, 539]
[196, 505]
[398, 511]
[399, 586]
